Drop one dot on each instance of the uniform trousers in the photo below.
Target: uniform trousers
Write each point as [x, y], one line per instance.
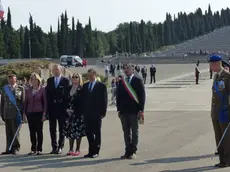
[197, 78]
[11, 128]
[224, 149]
[36, 130]
[131, 131]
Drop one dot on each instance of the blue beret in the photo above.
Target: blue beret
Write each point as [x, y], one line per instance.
[215, 58]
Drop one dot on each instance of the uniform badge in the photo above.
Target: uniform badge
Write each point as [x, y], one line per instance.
[18, 94]
[221, 85]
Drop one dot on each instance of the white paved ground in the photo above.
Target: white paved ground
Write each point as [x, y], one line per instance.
[177, 136]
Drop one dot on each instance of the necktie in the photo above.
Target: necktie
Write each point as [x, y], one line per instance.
[56, 82]
[128, 79]
[217, 77]
[90, 86]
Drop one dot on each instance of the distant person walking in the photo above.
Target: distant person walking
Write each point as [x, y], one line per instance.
[106, 70]
[197, 72]
[152, 74]
[112, 70]
[144, 74]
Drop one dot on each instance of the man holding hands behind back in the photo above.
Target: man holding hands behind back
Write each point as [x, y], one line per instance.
[130, 107]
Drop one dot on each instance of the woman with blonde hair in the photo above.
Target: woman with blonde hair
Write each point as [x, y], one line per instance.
[35, 107]
[75, 127]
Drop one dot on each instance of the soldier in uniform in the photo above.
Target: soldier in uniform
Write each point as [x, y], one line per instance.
[220, 109]
[9, 111]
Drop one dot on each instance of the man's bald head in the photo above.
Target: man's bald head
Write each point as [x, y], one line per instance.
[56, 70]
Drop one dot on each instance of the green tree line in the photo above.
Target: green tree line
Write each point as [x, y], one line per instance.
[133, 37]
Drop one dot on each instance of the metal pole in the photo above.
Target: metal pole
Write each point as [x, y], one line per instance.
[222, 138]
[15, 135]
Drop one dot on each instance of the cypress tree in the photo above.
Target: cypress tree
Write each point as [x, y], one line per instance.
[21, 35]
[8, 21]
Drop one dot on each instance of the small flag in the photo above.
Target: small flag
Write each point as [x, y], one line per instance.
[1, 10]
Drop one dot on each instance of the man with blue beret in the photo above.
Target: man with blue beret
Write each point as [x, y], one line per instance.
[220, 109]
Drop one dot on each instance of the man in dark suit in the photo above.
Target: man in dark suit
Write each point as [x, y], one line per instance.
[95, 100]
[152, 74]
[57, 103]
[130, 107]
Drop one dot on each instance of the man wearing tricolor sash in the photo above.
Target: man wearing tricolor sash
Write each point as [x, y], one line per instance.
[130, 107]
[12, 99]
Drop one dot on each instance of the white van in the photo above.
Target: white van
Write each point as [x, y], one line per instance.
[71, 60]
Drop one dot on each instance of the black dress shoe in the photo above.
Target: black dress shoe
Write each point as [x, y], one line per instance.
[94, 156]
[222, 165]
[54, 151]
[125, 156]
[132, 156]
[15, 152]
[59, 151]
[6, 153]
[88, 155]
[39, 153]
[32, 153]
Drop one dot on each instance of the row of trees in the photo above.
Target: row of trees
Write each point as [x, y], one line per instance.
[133, 37]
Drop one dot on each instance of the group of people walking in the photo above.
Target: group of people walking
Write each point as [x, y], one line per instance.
[77, 109]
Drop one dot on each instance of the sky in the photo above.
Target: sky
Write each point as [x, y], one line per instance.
[105, 14]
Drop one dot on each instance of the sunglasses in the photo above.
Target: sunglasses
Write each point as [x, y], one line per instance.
[75, 77]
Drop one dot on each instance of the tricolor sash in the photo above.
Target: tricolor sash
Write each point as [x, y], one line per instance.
[13, 101]
[130, 90]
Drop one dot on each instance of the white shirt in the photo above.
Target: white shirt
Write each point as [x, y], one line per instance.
[130, 78]
[12, 86]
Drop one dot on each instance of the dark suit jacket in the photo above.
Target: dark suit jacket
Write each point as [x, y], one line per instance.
[57, 98]
[125, 104]
[95, 102]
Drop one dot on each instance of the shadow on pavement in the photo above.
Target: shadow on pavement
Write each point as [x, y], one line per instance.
[181, 159]
[174, 159]
[198, 169]
[27, 163]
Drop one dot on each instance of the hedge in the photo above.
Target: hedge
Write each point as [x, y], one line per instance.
[25, 69]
